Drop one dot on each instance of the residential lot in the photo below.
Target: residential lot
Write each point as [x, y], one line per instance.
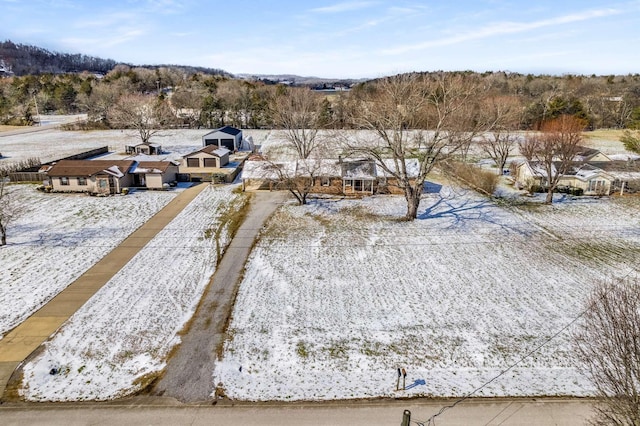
[339, 294]
[57, 238]
[119, 340]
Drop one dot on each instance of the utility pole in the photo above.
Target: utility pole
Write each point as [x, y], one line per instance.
[35, 101]
[406, 418]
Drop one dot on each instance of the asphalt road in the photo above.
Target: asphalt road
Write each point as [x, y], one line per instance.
[188, 375]
[470, 413]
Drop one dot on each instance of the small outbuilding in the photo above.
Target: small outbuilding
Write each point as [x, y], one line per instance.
[144, 148]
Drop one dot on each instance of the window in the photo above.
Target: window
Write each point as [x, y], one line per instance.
[193, 162]
[82, 181]
[325, 181]
[64, 181]
[210, 162]
[596, 185]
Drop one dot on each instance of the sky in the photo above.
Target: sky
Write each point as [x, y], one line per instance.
[339, 39]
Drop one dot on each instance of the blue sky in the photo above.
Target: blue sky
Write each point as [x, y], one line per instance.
[339, 39]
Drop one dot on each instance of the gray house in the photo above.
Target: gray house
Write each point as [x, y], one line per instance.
[224, 137]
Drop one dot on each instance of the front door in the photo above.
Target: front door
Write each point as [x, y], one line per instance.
[102, 185]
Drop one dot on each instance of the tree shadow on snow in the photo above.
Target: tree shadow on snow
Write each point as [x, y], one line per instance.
[462, 212]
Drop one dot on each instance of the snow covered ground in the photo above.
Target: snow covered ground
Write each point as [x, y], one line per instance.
[57, 238]
[55, 144]
[339, 294]
[120, 338]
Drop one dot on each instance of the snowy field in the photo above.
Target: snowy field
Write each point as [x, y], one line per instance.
[339, 294]
[119, 340]
[57, 238]
[55, 144]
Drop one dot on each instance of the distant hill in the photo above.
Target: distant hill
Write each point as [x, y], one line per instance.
[297, 80]
[23, 59]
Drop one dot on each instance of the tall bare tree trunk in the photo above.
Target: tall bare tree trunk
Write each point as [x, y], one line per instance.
[412, 195]
[549, 198]
[3, 236]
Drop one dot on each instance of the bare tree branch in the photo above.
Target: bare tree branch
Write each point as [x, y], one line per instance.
[416, 119]
[554, 149]
[298, 112]
[607, 344]
[147, 115]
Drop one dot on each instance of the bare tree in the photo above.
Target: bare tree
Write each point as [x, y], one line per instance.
[412, 117]
[607, 345]
[298, 112]
[503, 114]
[498, 145]
[297, 177]
[554, 149]
[147, 115]
[9, 206]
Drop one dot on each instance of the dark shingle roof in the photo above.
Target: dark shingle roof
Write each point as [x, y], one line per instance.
[209, 149]
[87, 167]
[226, 129]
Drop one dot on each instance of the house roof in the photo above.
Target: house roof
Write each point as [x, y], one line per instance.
[412, 165]
[359, 169]
[226, 129]
[620, 169]
[210, 149]
[352, 169]
[584, 153]
[154, 145]
[86, 168]
[152, 167]
[264, 169]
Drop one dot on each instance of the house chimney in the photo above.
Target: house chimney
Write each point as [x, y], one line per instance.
[339, 159]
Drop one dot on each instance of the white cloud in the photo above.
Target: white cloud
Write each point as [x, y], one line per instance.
[106, 20]
[500, 28]
[344, 7]
[111, 40]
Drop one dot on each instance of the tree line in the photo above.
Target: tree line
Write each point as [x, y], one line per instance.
[202, 99]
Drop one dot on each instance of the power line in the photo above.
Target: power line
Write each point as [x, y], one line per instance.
[431, 420]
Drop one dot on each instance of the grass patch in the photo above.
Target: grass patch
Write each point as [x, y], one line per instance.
[611, 134]
[601, 252]
[302, 350]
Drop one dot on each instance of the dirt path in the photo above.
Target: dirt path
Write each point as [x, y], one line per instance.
[23, 340]
[188, 376]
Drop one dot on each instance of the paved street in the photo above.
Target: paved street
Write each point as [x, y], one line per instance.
[155, 411]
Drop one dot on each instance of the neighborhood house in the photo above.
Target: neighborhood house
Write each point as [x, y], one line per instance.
[104, 177]
[592, 172]
[330, 176]
[101, 177]
[200, 165]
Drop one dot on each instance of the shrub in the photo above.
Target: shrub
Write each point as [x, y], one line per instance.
[484, 181]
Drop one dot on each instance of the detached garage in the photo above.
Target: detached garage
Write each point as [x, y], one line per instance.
[225, 137]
